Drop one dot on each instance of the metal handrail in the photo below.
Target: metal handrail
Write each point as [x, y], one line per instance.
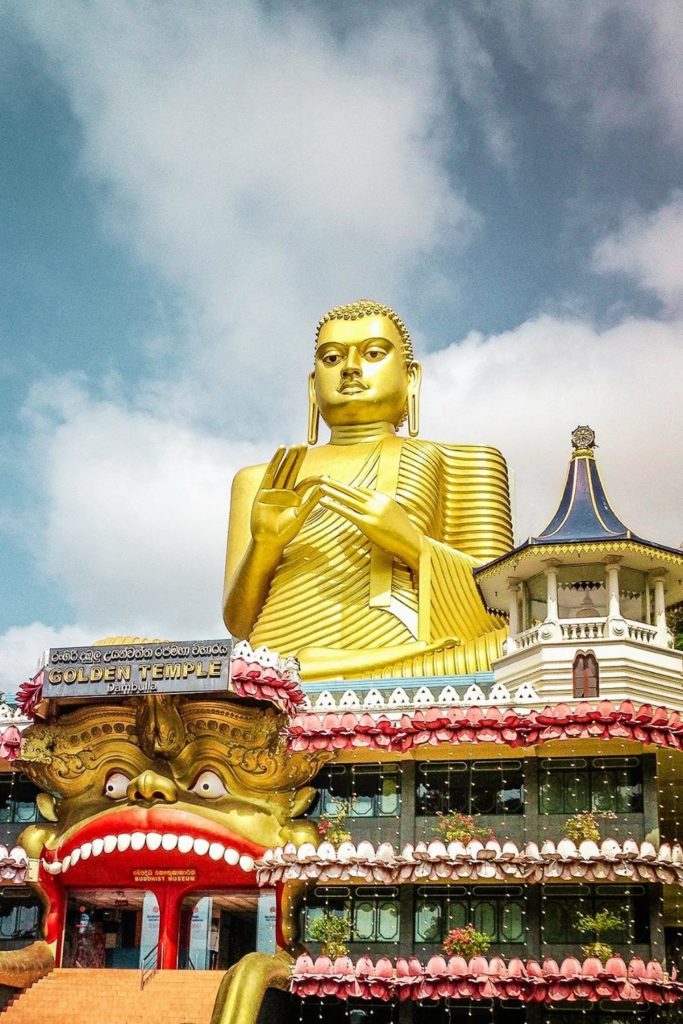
[148, 967]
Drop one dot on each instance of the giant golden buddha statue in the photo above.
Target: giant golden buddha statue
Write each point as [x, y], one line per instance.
[356, 556]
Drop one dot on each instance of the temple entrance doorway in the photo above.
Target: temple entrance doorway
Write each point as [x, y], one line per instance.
[109, 927]
[218, 928]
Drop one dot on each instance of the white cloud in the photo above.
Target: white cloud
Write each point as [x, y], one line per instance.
[265, 167]
[648, 249]
[525, 390]
[135, 514]
[22, 646]
[129, 523]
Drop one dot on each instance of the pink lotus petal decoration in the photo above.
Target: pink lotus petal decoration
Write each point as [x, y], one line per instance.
[505, 726]
[10, 741]
[30, 694]
[263, 675]
[529, 981]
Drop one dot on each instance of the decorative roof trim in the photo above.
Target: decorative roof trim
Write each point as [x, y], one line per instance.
[511, 727]
[578, 547]
[436, 861]
[455, 978]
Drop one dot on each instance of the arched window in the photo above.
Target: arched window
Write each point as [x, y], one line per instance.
[585, 676]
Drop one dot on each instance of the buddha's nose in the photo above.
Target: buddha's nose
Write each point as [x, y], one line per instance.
[150, 788]
[352, 365]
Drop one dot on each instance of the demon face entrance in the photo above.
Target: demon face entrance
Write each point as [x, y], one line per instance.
[107, 928]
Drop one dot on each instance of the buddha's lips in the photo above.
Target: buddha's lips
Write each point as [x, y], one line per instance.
[166, 833]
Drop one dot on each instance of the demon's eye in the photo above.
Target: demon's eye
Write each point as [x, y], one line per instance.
[209, 785]
[116, 785]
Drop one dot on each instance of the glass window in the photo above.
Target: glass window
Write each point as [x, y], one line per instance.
[428, 926]
[562, 906]
[569, 786]
[603, 1013]
[18, 799]
[369, 791]
[388, 921]
[484, 787]
[495, 910]
[374, 912]
[19, 919]
[364, 920]
[8, 921]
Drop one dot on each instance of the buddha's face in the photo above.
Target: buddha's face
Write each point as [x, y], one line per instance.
[361, 374]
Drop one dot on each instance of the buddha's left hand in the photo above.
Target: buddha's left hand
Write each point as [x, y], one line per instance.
[378, 516]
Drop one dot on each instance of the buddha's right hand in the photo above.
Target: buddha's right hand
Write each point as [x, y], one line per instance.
[281, 506]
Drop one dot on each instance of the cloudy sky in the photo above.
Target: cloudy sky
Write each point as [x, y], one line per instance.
[187, 187]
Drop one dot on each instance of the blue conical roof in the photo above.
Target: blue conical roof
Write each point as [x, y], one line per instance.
[584, 512]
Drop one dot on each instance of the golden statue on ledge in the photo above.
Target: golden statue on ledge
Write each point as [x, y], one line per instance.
[356, 556]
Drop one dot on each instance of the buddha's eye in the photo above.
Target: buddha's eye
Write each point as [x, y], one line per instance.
[375, 354]
[116, 785]
[209, 785]
[331, 358]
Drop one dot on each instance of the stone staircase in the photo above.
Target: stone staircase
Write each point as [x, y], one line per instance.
[91, 996]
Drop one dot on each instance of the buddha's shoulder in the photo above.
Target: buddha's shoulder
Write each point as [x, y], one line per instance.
[465, 454]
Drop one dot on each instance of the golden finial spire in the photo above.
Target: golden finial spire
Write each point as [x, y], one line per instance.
[583, 442]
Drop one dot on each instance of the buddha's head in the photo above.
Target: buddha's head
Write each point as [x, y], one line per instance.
[364, 368]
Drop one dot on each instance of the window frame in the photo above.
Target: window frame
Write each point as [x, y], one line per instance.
[594, 768]
[445, 802]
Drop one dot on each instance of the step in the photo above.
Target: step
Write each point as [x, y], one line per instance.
[91, 995]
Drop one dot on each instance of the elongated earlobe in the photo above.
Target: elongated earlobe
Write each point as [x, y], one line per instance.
[415, 372]
[313, 412]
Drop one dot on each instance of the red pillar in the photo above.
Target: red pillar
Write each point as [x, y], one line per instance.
[170, 902]
[55, 917]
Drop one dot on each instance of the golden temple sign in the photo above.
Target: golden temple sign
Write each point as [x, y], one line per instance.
[127, 671]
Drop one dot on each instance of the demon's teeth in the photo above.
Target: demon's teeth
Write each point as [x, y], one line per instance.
[153, 841]
[137, 840]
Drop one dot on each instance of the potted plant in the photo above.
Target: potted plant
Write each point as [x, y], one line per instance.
[596, 925]
[333, 931]
[466, 942]
[586, 826]
[332, 826]
[460, 828]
